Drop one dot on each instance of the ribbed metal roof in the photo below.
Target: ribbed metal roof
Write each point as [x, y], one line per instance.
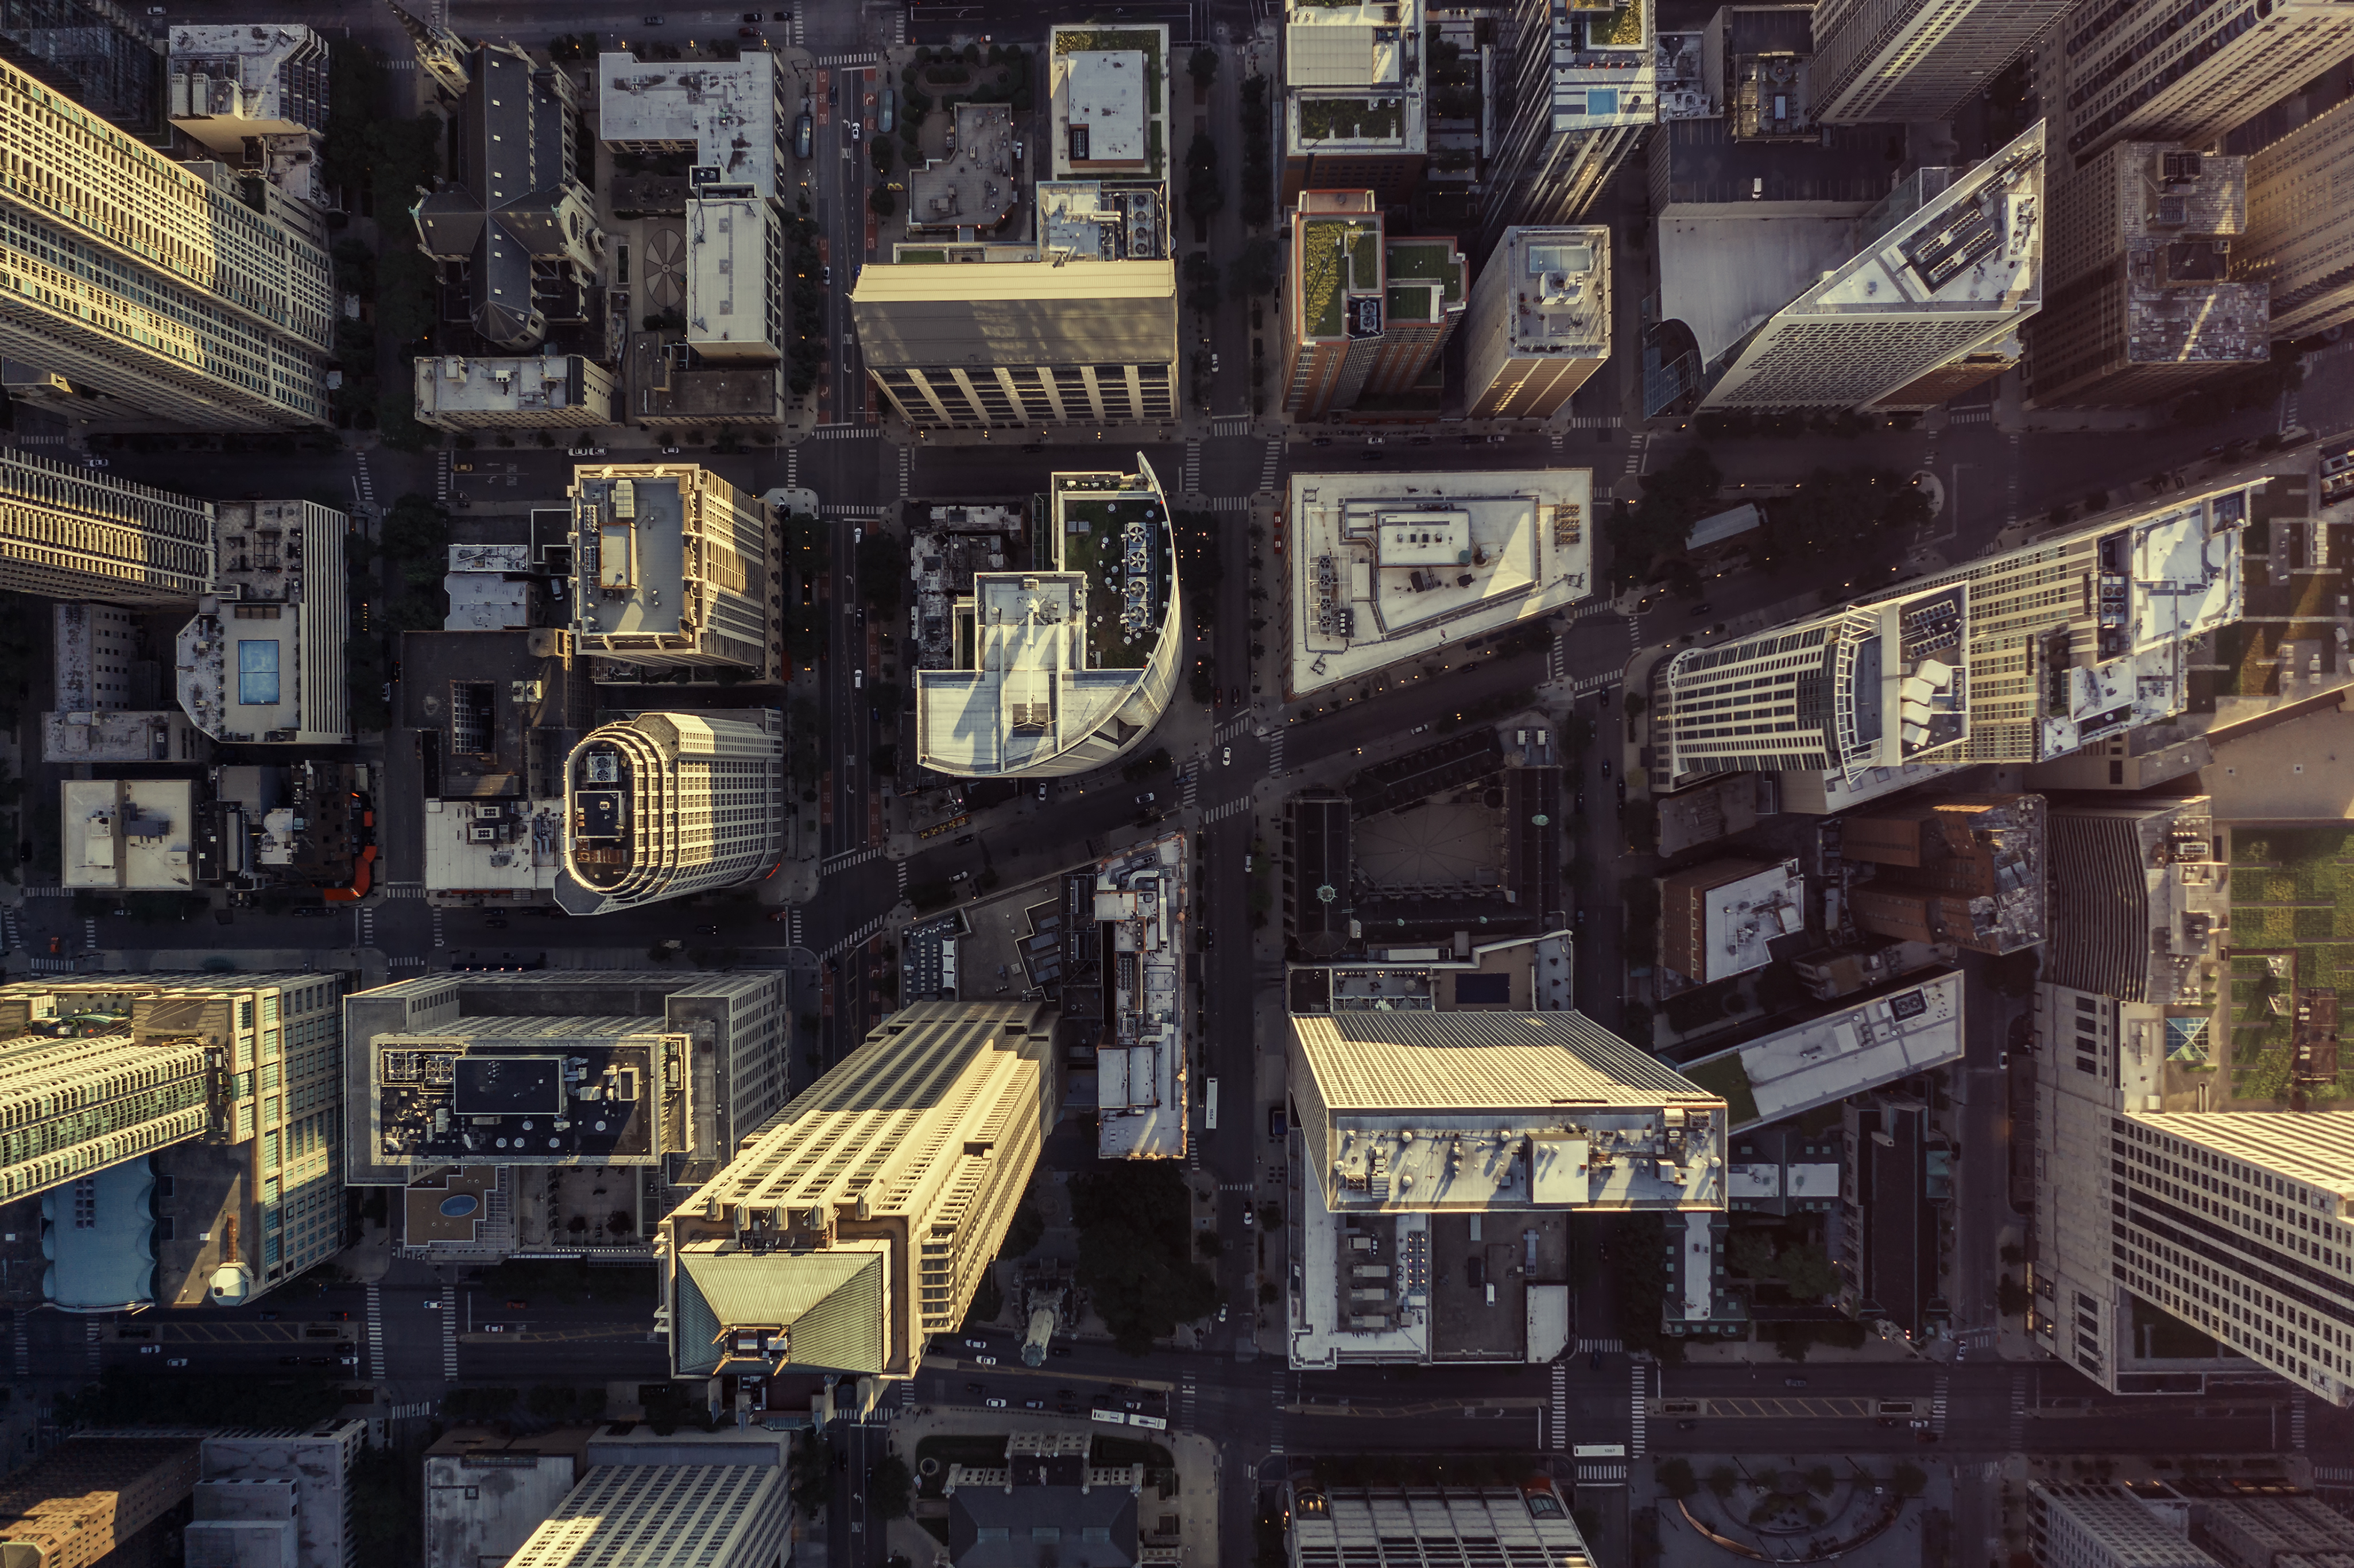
[1391, 1062]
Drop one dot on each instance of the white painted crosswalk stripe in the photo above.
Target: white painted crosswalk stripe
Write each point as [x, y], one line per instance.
[375, 1332]
[1275, 1419]
[1189, 787]
[1937, 1404]
[2296, 1423]
[907, 469]
[1560, 1435]
[1186, 1389]
[900, 867]
[89, 932]
[1607, 1347]
[2017, 1411]
[449, 1332]
[1192, 465]
[1269, 465]
[1220, 813]
[437, 941]
[832, 61]
[847, 859]
[1275, 752]
[793, 467]
[846, 432]
[1635, 1436]
[367, 925]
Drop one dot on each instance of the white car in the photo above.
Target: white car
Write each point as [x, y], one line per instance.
[857, 129]
[151, 1350]
[1228, 758]
[984, 1361]
[858, 680]
[994, 1404]
[858, 536]
[177, 1361]
[1248, 1218]
[431, 1305]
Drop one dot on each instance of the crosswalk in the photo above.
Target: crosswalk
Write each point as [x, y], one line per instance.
[1275, 752]
[1560, 1406]
[2017, 1411]
[365, 486]
[832, 63]
[367, 925]
[1637, 451]
[1607, 1347]
[1556, 659]
[1554, 438]
[1227, 502]
[1591, 1473]
[403, 889]
[1220, 813]
[439, 940]
[1635, 633]
[907, 469]
[1189, 787]
[1231, 728]
[2292, 409]
[1274, 1417]
[93, 1340]
[18, 1332]
[1937, 1404]
[1187, 1387]
[793, 466]
[1634, 1434]
[89, 932]
[1192, 465]
[900, 867]
[1230, 425]
[846, 432]
[2296, 1423]
[793, 927]
[449, 1332]
[849, 858]
[798, 29]
[1237, 1187]
[15, 937]
[832, 509]
[861, 935]
[375, 1332]
[1982, 416]
[1269, 465]
[1591, 422]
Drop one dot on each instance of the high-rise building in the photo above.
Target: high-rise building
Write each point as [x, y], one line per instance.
[732, 1513]
[257, 1195]
[731, 116]
[1539, 322]
[1041, 342]
[859, 1219]
[1912, 1023]
[255, 94]
[1063, 670]
[2004, 659]
[1366, 314]
[278, 1497]
[2299, 242]
[1916, 59]
[1415, 1123]
[1966, 870]
[1529, 1526]
[517, 219]
[1719, 919]
[1942, 271]
[2141, 304]
[99, 54]
[1576, 89]
[1142, 907]
[80, 1093]
[74, 1505]
[1355, 98]
[674, 568]
[80, 534]
[262, 661]
[2110, 1524]
[617, 1068]
[735, 281]
[1387, 568]
[184, 302]
[2119, 71]
[668, 804]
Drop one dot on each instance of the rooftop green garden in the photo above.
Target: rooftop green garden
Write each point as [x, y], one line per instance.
[1426, 261]
[938, 258]
[1093, 545]
[2292, 900]
[1410, 302]
[1351, 119]
[1728, 1077]
[1616, 26]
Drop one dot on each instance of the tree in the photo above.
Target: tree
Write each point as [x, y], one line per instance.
[1793, 1341]
[1656, 528]
[1257, 271]
[889, 1483]
[2011, 1297]
[1808, 1272]
[406, 282]
[1200, 281]
[1908, 1481]
[881, 203]
[1836, 512]
[2013, 974]
[1675, 1478]
[1203, 66]
[1136, 1253]
[1023, 1234]
[882, 569]
[1204, 193]
[415, 529]
[809, 1478]
[1751, 1254]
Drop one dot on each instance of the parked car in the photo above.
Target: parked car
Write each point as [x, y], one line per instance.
[518, 1306]
[994, 1404]
[151, 1350]
[984, 1361]
[1793, 1382]
[804, 128]
[310, 912]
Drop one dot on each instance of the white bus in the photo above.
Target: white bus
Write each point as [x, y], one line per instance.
[1598, 1451]
[1209, 1106]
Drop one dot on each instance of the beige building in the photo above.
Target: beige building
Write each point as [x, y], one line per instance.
[255, 94]
[184, 304]
[859, 1219]
[668, 804]
[1539, 324]
[735, 281]
[673, 568]
[74, 1505]
[545, 392]
[2300, 238]
[970, 346]
[80, 534]
[263, 659]
[128, 836]
[1355, 98]
[1107, 93]
[1881, 61]
[639, 1504]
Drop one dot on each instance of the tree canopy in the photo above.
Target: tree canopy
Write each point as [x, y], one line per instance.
[1135, 1253]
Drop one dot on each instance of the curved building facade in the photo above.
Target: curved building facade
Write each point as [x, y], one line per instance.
[668, 804]
[1062, 671]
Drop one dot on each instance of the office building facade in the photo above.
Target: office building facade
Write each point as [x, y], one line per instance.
[2119, 72]
[74, 1505]
[1529, 1527]
[734, 1514]
[1883, 60]
[1949, 264]
[78, 534]
[1021, 342]
[1355, 98]
[256, 1194]
[1577, 90]
[668, 804]
[859, 1219]
[1539, 322]
[150, 281]
[674, 568]
[2299, 242]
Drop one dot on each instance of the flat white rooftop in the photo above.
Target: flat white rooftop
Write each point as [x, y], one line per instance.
[726, 110]
[1107, 102]
[1140, 1078]
[1904, 1031]
[1387, 568]
[519, 384]
[518, 853]
[135, 834]
[1740, 919]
